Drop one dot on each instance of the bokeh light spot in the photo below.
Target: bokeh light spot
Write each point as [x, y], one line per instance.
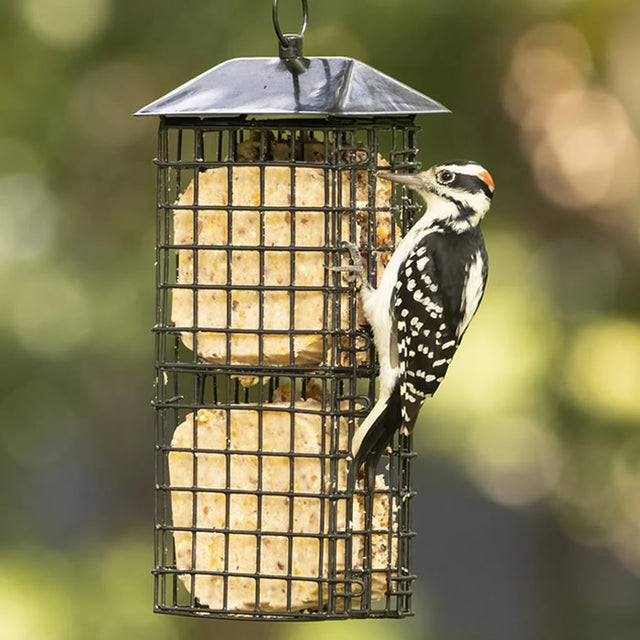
[28, 215]
[586, 153]
[514, 460]
[51, 315]
[28, 578]
[547, 58]
[603, 369]
[578, 137]
[67, 23]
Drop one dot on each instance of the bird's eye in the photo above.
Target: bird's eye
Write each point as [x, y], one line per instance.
[446, 177]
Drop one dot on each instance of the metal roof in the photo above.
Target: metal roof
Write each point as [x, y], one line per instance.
[331, 86]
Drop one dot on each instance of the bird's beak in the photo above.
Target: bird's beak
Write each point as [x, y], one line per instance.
[409, 179]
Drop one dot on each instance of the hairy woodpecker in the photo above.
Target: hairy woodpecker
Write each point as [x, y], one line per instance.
[425, 300]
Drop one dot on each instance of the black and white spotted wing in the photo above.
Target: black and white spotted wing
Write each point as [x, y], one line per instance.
[425, 322]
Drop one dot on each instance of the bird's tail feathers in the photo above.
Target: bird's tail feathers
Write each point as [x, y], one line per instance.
[373, 435]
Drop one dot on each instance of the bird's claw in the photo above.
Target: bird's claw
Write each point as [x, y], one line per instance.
[355, 270]
[354, 253]
[352, 272]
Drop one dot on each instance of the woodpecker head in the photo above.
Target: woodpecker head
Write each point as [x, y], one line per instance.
[457, 193]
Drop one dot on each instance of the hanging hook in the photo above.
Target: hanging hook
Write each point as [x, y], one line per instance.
[276, 23]
[291, 43]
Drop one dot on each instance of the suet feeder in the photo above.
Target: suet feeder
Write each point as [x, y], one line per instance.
[264, 365]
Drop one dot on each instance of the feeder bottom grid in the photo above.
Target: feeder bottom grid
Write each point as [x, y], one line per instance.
[287, 535]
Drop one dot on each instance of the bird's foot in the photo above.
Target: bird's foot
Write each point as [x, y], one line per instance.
[355, 270]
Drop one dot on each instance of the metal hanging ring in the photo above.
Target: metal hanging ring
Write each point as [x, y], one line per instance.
[276, 23]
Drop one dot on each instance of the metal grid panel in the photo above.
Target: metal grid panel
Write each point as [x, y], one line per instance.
[205, 374]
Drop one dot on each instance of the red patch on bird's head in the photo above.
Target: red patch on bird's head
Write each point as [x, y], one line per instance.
[485, 176]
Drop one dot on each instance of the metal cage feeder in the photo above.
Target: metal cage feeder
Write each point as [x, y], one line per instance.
[264, 364]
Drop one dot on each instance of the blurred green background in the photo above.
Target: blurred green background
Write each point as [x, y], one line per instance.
[528, 513]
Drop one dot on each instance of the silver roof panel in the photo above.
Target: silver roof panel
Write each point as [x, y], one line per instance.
[334, 86]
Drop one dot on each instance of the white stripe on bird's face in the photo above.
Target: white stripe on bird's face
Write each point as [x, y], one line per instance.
[467, 167]
[457, 193]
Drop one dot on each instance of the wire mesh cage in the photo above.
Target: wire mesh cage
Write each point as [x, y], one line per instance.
[264, 362]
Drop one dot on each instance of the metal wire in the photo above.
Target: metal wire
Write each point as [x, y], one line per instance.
[190, 380]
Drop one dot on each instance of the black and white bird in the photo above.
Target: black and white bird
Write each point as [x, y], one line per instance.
[428, 294]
